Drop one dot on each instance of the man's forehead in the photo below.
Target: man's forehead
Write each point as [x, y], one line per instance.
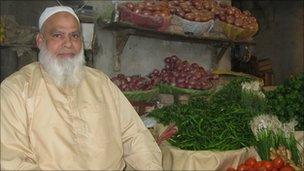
[64, 29]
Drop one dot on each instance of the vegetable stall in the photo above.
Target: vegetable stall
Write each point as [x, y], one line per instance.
[203, 119]
[222, 124]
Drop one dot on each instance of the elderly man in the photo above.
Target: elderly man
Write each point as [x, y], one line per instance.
[57, 114]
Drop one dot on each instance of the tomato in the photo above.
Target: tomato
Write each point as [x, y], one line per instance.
[231, 169]
[258, 164]
[278, 162]
[275, 169]
[250, 162]
[268, 165]
[242, 167]
[262, 168]
[251, 169]
[287, 168]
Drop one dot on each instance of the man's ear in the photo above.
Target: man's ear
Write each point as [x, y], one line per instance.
[39, 39]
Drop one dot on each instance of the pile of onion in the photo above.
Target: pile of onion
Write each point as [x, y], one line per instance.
[236, 17]
[182, 8]
[196, 10]
[204, 10]
[188, 10]
[149, 8]
[133, 83]
[183, 74]
[176, 73]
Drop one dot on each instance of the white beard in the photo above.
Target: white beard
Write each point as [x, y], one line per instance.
[64, 72]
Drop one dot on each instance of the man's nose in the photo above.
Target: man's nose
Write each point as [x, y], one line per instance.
[67, 42]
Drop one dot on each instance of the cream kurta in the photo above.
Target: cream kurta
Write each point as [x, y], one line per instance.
[92, 127]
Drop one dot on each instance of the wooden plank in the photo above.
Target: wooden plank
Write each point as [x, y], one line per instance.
[116, 26]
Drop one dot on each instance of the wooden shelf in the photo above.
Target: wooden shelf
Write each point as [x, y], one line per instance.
[116, 26]
[122, 31]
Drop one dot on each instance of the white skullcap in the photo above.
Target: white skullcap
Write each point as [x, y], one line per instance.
[53, 10]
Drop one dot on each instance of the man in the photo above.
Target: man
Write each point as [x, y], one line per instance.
[57, 114]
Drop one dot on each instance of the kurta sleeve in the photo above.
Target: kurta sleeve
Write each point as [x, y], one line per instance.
[140, 149]
[15, 145]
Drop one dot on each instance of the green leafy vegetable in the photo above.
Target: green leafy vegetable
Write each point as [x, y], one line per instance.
[287, 101]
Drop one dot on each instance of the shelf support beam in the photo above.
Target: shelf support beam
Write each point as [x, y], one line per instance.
[120, 39]
[218, 54]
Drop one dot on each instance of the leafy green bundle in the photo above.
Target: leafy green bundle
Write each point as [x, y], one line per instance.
[287, 101]
[220, 122]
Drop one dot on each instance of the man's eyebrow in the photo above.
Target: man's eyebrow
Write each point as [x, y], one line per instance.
[75, 32]
[55, 30]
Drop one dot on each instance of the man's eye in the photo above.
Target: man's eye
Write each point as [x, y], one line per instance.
[57, 35]
[76, 36]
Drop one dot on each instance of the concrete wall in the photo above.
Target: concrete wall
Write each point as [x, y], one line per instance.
[141, 55]
[283, 40]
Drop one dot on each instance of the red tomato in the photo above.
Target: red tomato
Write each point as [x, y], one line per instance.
[250, 162]
[275, 169]
[268, 165]
[242, 167]
[231, 169]
[278, 162]
[251, 169]
[258, 164]
[262, 168]
[287, 168]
